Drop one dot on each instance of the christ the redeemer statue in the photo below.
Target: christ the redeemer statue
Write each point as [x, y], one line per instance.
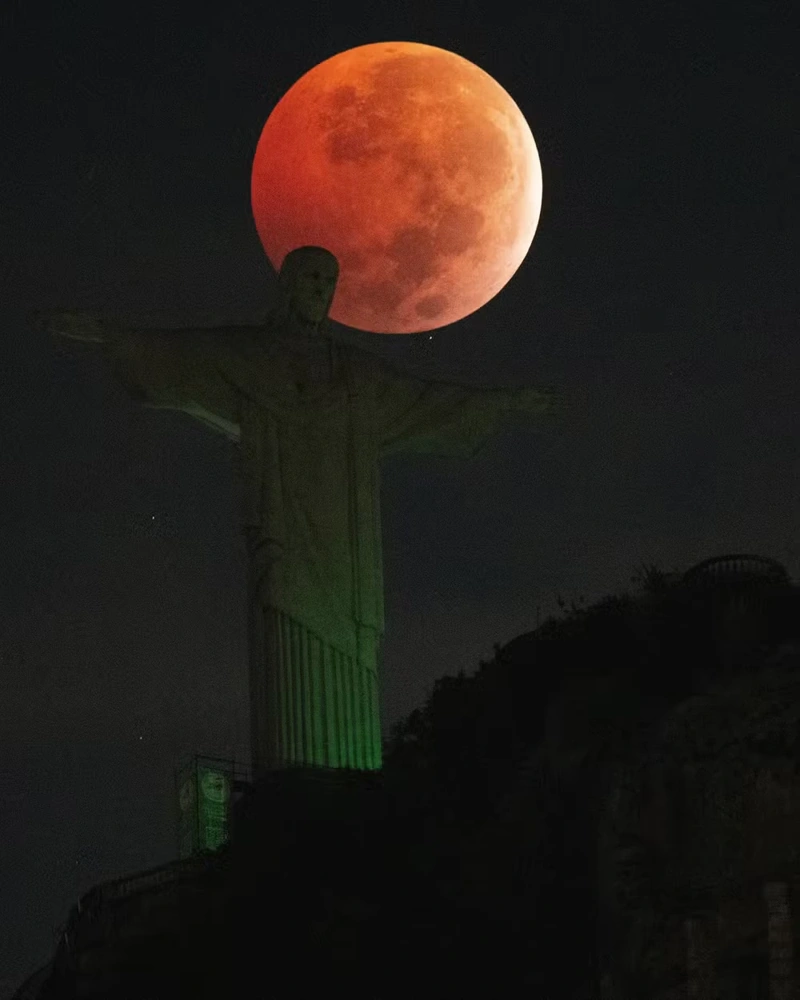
[312, 417]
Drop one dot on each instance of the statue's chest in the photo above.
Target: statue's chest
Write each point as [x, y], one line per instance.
[309, 376]
[310, 366]
[304, 385]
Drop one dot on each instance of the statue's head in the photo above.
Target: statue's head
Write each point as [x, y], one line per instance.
[308, 280]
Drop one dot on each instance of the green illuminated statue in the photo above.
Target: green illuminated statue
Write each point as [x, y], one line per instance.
[312, 417]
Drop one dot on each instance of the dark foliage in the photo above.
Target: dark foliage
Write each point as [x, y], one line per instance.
[469, 864]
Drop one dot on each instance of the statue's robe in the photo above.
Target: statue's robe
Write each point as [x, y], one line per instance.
[312, 418]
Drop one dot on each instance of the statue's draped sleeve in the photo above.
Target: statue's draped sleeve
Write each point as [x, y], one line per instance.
[446, 418]
[180, 370]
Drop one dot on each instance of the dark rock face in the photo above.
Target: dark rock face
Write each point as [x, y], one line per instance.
[701, 824]
[607, 809]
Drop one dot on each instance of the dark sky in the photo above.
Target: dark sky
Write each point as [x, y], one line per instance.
[660, 292]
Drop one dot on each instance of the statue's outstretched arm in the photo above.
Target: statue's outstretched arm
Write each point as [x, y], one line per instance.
[78, 325]
[449, 418]
[525, 399]
[173, 369]
[73, 325]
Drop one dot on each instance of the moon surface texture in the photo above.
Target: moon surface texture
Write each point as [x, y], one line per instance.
[415, 168]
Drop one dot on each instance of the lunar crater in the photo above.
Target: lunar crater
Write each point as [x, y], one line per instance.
[431, 306]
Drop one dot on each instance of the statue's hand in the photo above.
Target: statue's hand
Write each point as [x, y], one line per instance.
[74, 325]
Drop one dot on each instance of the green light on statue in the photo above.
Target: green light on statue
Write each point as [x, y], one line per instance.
[214, 801]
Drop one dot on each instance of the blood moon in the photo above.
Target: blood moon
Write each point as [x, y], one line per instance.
[415, 168]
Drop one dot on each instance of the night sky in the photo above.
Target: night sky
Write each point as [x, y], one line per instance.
[660, 292]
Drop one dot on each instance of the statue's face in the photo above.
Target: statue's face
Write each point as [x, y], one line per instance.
[312, 287]
[215, 786]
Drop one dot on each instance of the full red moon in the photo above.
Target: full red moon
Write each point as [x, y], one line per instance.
[415, 168]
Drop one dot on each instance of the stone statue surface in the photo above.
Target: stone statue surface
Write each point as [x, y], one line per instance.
[312, 417]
